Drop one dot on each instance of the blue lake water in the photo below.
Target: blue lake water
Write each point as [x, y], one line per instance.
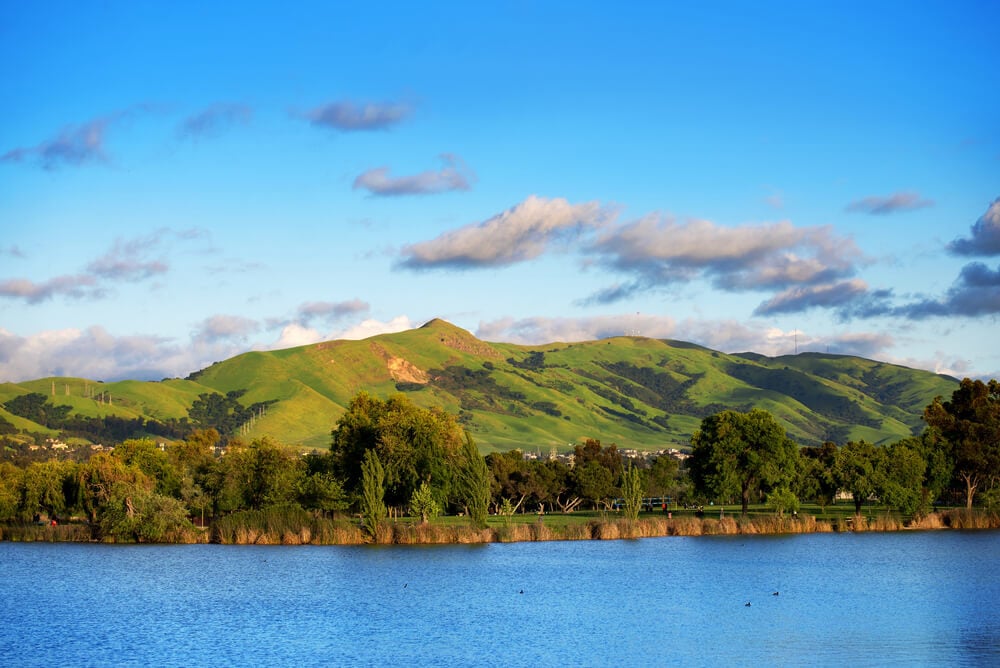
[861, 599]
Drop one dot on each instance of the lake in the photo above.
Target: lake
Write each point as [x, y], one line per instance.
[879, 599]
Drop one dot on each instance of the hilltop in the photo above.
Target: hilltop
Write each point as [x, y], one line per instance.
[634, 391]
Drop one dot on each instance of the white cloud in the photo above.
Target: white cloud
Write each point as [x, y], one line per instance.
[92, 353]
[658, 251]
[295, 335]
[519, 234]
[371, 327]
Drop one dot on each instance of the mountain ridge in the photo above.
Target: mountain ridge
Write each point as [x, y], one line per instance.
[635, 391]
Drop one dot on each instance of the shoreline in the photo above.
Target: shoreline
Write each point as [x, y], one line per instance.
[262, 528]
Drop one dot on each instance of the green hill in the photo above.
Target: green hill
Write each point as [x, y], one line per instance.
[633, 391]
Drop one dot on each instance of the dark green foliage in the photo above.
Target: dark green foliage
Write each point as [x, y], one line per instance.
[741, 454]
[409, 387]
[658, 388]
[476, 389]
[969, 425]
[6, 427]
[35, 407]
[320, 488]
[535, 361]
[816, 396]
[856, 473]
[817, 480]
[547, 407]
[259, 475]
[104, 429]
[223, 413]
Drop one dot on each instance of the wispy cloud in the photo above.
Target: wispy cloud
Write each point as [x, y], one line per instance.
[128, 260]
[80, 286]
[348, 116]
[519, 234]
[74, 145]
[12, 251]
[229, 328]
[330, 311]
[658, 251]
[214, 120]
[985, 235]
[797, 299]
[894, 203]
[125, 261]
[455, 175]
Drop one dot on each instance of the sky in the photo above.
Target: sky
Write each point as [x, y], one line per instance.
[183, 182]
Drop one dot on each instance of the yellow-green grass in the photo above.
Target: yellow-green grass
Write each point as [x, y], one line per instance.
[311, 386]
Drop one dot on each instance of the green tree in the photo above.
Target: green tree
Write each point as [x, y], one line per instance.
[783, 500]
[44, 487]
[555, 478]
[373, 510]
[970, 426]
[413, 444]
[262, 474]
[816, 478]
[592, 451]
[741, 454]
[900, 474]
[632, 486]
[595, 483]
[661, 478]
[10, 491]
[108, 485]
[509, 476]
[856, 471]
[422, 503]
[320, 488]
[142, 515]
[474, 483]
[147, 456]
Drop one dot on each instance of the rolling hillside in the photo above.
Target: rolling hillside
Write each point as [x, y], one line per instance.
[633, 391]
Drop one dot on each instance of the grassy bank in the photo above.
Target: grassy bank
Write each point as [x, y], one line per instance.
[294, 526]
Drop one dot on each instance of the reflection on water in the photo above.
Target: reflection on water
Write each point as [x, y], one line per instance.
[868, 599]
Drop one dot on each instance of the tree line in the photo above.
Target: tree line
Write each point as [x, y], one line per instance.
[389, 457]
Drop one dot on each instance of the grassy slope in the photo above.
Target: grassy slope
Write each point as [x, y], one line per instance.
[814, 395]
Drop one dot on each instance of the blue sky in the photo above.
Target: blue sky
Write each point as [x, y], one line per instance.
[181, 183]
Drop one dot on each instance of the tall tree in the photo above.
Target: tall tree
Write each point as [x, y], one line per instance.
[970, 425]
[474, 482]
[741, 454]
[632, 484]
[373, 510]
